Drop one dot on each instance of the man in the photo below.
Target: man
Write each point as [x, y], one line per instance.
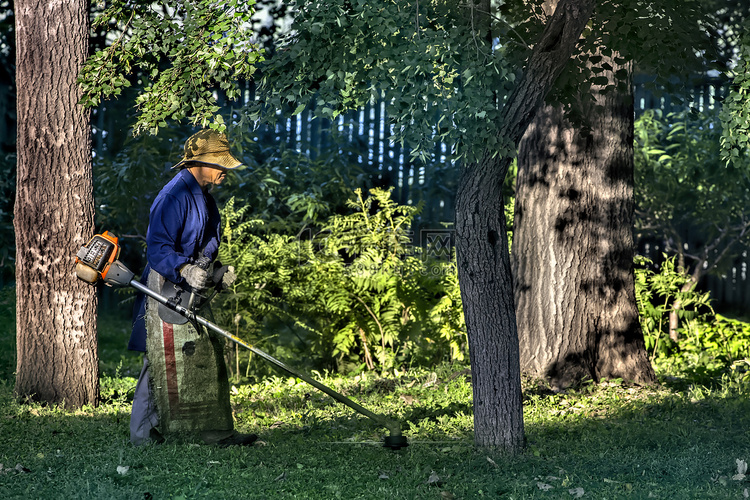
[183, 387]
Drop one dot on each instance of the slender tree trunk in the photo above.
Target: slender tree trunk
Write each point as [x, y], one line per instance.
[573, 244]
[486, 292]
[482, 248]
[54, 209]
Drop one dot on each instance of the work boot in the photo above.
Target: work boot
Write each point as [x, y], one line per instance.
[156, 436]
[231, 438]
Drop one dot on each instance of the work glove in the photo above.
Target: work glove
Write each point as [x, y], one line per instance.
[196, 276]
[224, 276]
[228, 278]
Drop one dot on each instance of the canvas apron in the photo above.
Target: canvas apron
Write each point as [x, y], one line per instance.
[187, 372]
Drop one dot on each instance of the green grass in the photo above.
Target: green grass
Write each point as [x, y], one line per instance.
[608, 440]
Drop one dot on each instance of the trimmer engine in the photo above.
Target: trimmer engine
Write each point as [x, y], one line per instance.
[98, 259]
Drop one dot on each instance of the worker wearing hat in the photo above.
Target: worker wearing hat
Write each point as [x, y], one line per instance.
[183, 387]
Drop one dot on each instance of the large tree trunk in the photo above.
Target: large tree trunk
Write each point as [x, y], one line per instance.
[482, 249]
[54, 209]
[573, 245]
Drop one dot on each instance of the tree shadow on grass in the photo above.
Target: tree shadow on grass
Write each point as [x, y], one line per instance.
[622, 436]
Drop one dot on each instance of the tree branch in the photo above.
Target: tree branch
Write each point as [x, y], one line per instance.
[546, 62]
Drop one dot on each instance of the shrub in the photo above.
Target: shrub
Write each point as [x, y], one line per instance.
[355, 295]
[712, 349]
[657, 292]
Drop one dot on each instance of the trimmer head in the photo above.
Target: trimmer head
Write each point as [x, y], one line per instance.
[395, 442]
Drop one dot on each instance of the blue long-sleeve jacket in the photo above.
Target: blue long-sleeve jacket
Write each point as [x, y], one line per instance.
[184, 224]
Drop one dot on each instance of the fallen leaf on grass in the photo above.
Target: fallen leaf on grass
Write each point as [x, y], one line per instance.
[383, 475]
[544, 486]
[123, 469]
[746, 494]
[576, 492]
[434, 479]
[281, 476]
[17, 468]
[741, 470]
[447, 495]
[432, 380]
[409, 400]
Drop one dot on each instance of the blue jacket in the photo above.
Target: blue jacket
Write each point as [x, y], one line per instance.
[184, 224]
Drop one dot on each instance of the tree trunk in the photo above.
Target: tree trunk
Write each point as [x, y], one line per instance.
[573, 245]
[482, 248]
[486, 292]
[54, 209]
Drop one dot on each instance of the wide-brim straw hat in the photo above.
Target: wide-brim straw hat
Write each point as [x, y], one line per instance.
[210, 147]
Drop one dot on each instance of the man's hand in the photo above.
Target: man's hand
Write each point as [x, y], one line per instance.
[196, 276]
[228, 278]
[224, 276]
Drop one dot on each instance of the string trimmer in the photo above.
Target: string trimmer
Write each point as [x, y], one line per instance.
[98, 259]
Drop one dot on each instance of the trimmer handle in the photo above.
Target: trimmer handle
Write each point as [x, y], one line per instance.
[204, 262]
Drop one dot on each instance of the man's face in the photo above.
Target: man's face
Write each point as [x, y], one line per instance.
[217, 175]
[207, 175]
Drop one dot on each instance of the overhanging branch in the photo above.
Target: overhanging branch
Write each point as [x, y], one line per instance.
[546, 62]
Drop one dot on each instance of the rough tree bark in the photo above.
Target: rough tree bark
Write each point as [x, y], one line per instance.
[54, 209]
[573, 244]
[482, 249]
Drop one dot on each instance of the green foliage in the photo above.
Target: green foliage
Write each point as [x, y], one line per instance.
[668, 40]
[712, 349]
[181, 53]
[356, 294]
[7, 332]
[7, 232]
[660, 293]
[681, 183]
[444, 69]
[735, 115]
[291, 190]
[437, 73]
[376, 280]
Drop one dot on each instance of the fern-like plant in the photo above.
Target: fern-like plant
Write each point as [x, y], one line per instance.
[358, 294]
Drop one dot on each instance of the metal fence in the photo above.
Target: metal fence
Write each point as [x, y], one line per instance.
[434, 183]
[367, 130]
[730, 288]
